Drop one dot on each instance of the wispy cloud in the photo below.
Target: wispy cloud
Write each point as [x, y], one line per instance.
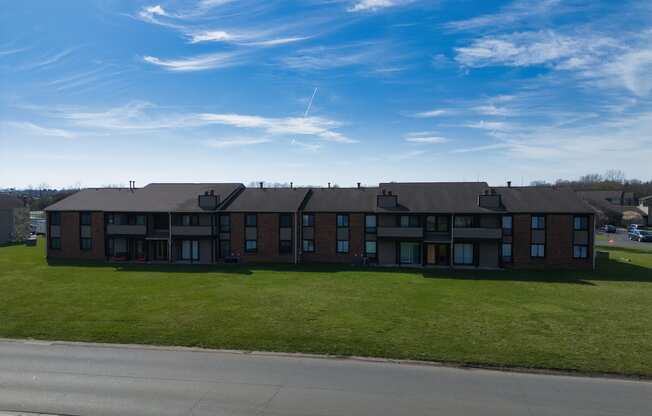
[490, 125]
[312, 147]
[432, 113]
[48, 60]
[331, 57]
[513, 13]
[493, 110]
[197, 63]
[235, 142]
[36, 130]
[372, 5]
[424, 137]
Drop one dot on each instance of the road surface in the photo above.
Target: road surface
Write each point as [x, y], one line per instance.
[621, 239]
[74, 379]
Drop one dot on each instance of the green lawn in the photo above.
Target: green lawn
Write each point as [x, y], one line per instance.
[597, 322]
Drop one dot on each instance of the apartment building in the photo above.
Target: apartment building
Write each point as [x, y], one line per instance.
[458, 225]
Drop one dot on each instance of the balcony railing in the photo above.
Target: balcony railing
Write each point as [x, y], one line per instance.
[478, 233]
[126, 229]
[400, 232]
[192, 230]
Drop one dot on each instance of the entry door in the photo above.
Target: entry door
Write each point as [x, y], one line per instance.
[410, 253]
[160, 250]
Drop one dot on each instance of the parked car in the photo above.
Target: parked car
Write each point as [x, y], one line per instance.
[609, 228]
[632, 227]
[640, 235]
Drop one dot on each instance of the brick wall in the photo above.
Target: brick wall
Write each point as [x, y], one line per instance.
[326, 240]
[559, 243]
[70, 245]
[267, 239]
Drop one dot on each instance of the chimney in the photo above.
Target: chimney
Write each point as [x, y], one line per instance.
[212, 192]
[358, 185]
[490, 199]
[387, 200]
[509, 184]
[260, 184]
[329, 185]
[291, 185]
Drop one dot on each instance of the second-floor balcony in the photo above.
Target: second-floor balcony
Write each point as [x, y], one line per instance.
[399, 232]
[191, 230]
[116, 229]
[477, 233]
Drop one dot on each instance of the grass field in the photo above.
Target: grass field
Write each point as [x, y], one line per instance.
[593, 322]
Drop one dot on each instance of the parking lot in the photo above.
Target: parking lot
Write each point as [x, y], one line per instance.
[620, 239]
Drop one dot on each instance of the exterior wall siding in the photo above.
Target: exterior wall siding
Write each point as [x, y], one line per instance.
[326, 240]
[70, 244]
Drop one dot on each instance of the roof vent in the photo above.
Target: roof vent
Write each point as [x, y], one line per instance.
[208, 201]
[358, 185]
[260, 184]
[509, 184]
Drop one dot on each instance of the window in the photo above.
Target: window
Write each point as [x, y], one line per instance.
[85, 218]
[140, 220]
[537, 250]
[118, 247]
[55, 218]
[437, 223]
[225, 249]
[285, 220]
[190, 250]
[408, 221]
[251, 220]
[342, 246]
[225, 224]
[308, 220]
[55, 243]
[285, 246]
[580, 251]
[86, 243]
[370, 248]
[507, 224]
[506, 252]
[463, 253]
[538, 222]
[342, 220]
[251, 246]
[370, 223]
[308, 246]
[581, 223]
[463, 221]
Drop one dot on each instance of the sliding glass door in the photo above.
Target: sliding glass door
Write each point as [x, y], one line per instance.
[409, 253]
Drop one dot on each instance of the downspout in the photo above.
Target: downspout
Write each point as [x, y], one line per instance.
[296, 237]
[450, 252]
[169, 237]
[593, 240]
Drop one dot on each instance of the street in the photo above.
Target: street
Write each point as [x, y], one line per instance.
[620, 239]
[87, 379]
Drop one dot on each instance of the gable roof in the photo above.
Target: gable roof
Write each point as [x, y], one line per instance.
[10, 202]
[435, 197]
[542, 199]
[155, 197]
[268, 200]
[342, 200]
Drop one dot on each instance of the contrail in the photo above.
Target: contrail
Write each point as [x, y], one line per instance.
[310, 102]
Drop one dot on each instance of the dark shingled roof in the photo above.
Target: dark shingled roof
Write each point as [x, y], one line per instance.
[155, 197]
[462, 198]
[10, 202]
[342, 200]
[437, 197]
[268, 200]
[542, 199]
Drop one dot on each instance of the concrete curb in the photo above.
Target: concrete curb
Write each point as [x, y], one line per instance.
[443, 364]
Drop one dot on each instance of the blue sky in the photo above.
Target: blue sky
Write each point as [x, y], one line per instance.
[96, 93]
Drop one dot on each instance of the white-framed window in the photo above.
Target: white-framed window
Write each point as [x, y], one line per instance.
[506, 252]
[370, 248]
[308, 246]
[538, 222]
[342, 246]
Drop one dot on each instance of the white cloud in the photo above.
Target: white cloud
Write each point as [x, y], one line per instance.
[492, 110]
[515, 12]
[632, 70]
[490, 125]
[426, 139]
[36, 130]
[324, 58]
[211, 36]
[371, 5]
[432, 113]
[196, 63]
[278, 41]
[235, 142]
[312, 147]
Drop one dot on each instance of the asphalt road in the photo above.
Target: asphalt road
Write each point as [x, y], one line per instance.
[75, 379]
[620, 239]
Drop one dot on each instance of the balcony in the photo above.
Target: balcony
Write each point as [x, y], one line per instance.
[399, 232]
[192, 230]
[126, 229]
[477, 233]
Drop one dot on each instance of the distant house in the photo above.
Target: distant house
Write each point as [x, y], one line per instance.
[613, 207]
[14, 219]
[645, 205]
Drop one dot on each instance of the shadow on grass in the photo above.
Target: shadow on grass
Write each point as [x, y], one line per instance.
[608, 269]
